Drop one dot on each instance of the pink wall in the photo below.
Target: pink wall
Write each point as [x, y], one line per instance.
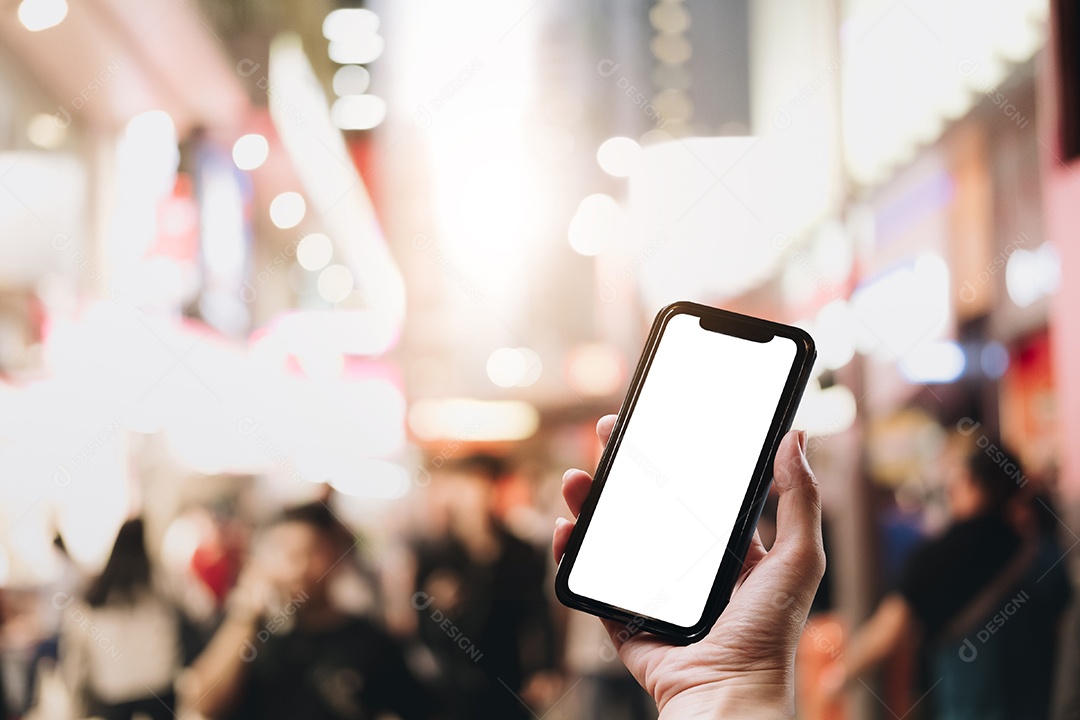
[1061, 190]
[1061, 193]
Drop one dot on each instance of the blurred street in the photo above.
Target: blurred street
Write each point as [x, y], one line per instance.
[306, 307]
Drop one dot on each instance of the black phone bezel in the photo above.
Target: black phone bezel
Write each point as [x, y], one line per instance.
[729, 323]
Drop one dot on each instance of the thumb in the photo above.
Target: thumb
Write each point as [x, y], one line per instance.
[798, 513]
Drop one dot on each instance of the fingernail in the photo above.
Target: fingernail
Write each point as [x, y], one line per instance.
[566, 474]
[802, 442]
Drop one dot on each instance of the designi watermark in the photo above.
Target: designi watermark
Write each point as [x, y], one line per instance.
[969, 651]
[421, 601]
[281, 620]
[62, 601]
[968, 427]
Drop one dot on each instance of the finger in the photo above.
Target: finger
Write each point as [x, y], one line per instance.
[575, 488]
[622, 633]
[798, 513]
[754, 554]
[563, 528]
[604, 427]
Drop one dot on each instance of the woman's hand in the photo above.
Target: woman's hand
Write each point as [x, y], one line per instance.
[744, 667]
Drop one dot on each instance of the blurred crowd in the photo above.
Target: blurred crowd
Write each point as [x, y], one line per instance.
[297, 615]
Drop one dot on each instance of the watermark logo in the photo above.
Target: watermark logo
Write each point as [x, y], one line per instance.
[422, 602]
[250, 428]
[422, 476]
[607, 68]
[969, 651]
[63, 116]
[972, 71]
[65, 245]
[784, 118]
[62, 476]
[80, 619]
[968, 427]
[610, 288]
[248, 291]
[823, 640]
[651, 470]
[781, 242]
[283, 619]
[969, 289]
[608, 651]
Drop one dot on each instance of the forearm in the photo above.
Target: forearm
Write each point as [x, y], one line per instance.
[865, 652]
[879, 638]
[218, 673]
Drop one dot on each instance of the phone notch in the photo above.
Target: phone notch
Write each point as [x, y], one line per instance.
[747, 331]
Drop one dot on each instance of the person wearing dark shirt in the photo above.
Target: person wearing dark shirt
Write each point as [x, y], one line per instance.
[482, 607]
[348, 670]
[286, 652]
[946, 573]
[1034, 638]
[958, 593]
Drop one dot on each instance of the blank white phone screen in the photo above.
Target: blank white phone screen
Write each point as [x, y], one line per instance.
[673, 494]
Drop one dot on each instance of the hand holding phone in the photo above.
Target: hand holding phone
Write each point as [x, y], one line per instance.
[665, 540]
[743, 666]
[663, 533]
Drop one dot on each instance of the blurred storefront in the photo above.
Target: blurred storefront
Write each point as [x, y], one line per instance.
[94, 216]
[937, 314]
[166, 270]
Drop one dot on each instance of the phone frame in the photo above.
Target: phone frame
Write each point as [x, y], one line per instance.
[728, 323]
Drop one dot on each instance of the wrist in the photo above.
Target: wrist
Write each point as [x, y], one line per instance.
[747, 698]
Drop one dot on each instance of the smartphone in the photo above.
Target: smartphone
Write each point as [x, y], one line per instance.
[661, 538]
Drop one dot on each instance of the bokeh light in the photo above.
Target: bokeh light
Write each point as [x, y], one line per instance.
[358, 112]
[287, 209]
[357, 51]
[37, 15]
[593, 227]
[619, 156]
[314, 251]
[250, 151]
[345, 23]
[595, 369]
[351, 80]
[335, 283]
[44, 131]
[514, 367]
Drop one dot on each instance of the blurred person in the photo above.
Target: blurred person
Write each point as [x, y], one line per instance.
[983, 597]
[1033, 638]
[286, 650]
[67, 582]
[745, 666]
[481, 597]
[1066, 695]
[902, 530]
[202, 550]
[355, 587]
[119, 645]
[22, 633]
